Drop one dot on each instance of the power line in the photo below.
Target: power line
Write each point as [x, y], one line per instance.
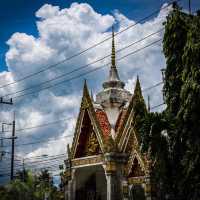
[41, 141]
[43, 156]
[53, 140]
[157, 106]
[87, 49]
[153, 86]
[42, 125]
[88, 72]
[66, 119]
[53, 166]
[44, 161]
[84, 66]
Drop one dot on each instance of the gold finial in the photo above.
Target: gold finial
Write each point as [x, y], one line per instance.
[113, 48]
[138, 90]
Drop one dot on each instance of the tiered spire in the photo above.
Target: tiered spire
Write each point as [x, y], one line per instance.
[113, 79]
[114, 76]
[113, 49]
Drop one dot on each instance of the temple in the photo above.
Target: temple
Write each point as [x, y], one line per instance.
[104, 161]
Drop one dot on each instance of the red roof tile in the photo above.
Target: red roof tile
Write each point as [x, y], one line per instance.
[103, 121]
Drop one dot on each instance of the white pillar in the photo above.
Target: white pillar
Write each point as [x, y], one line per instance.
[111, 189]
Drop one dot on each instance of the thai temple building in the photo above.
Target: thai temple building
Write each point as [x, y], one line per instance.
[104, 161]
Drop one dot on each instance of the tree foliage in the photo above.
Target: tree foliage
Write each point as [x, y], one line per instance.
[33, 187]
[181, 47]
[172, 138]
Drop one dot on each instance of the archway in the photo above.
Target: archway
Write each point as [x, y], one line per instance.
[137, 192]
[90, 183]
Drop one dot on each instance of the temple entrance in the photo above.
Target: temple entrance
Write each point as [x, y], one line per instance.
[90, 183]
[137, 192]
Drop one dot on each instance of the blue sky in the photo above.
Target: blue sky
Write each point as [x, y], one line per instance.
[19, 15]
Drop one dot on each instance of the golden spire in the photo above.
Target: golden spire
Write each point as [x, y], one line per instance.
[138, 90]
[113, 48]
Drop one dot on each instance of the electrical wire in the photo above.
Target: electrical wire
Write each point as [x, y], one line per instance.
[41, 141]
[91, 47]
[89, 71]
[57, 121]
[41, 125]
[154, 107]
[84, 66]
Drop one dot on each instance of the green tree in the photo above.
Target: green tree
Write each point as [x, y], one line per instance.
[33, 187]
[181, 46]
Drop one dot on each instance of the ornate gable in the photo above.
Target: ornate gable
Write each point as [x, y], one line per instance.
[126, 133]
[88, 143]
[136, 169]
[89, 136]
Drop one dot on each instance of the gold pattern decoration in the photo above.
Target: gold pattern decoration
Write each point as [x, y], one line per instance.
[136, 180]
[92, 146]
[110, 167]
[110, 145]
[87, 161]
[84, 104]
[142, 161]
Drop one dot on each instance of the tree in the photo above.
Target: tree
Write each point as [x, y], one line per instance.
[181, 46]
[33, 187]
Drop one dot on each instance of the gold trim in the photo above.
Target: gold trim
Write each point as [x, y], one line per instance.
[136, 180]
[87, 161]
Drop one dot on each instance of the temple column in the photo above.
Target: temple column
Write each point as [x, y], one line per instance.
[111, 177]
[125, 189]
[147, 188]
[114, 175]
[150, 190]
[70, 187]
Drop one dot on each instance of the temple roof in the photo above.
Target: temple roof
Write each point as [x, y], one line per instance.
[103, 121]
[120, 120]
[114, 96]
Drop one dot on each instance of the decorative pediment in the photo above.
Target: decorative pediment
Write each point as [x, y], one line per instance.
[88, 137]
[136, 169]
[138, 164]
[126, 134]
[87, 144]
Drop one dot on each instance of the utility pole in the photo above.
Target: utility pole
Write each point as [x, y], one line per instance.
[13, 149]
[1, 144]
[10, 102]
[189, 6]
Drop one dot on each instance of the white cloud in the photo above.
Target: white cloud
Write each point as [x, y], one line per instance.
[62, 33]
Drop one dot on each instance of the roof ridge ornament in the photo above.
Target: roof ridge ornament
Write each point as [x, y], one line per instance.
[138, 90]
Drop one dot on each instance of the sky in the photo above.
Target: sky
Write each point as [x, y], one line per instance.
[36, 34]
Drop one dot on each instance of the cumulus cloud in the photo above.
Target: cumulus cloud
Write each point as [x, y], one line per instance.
[62, 33]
